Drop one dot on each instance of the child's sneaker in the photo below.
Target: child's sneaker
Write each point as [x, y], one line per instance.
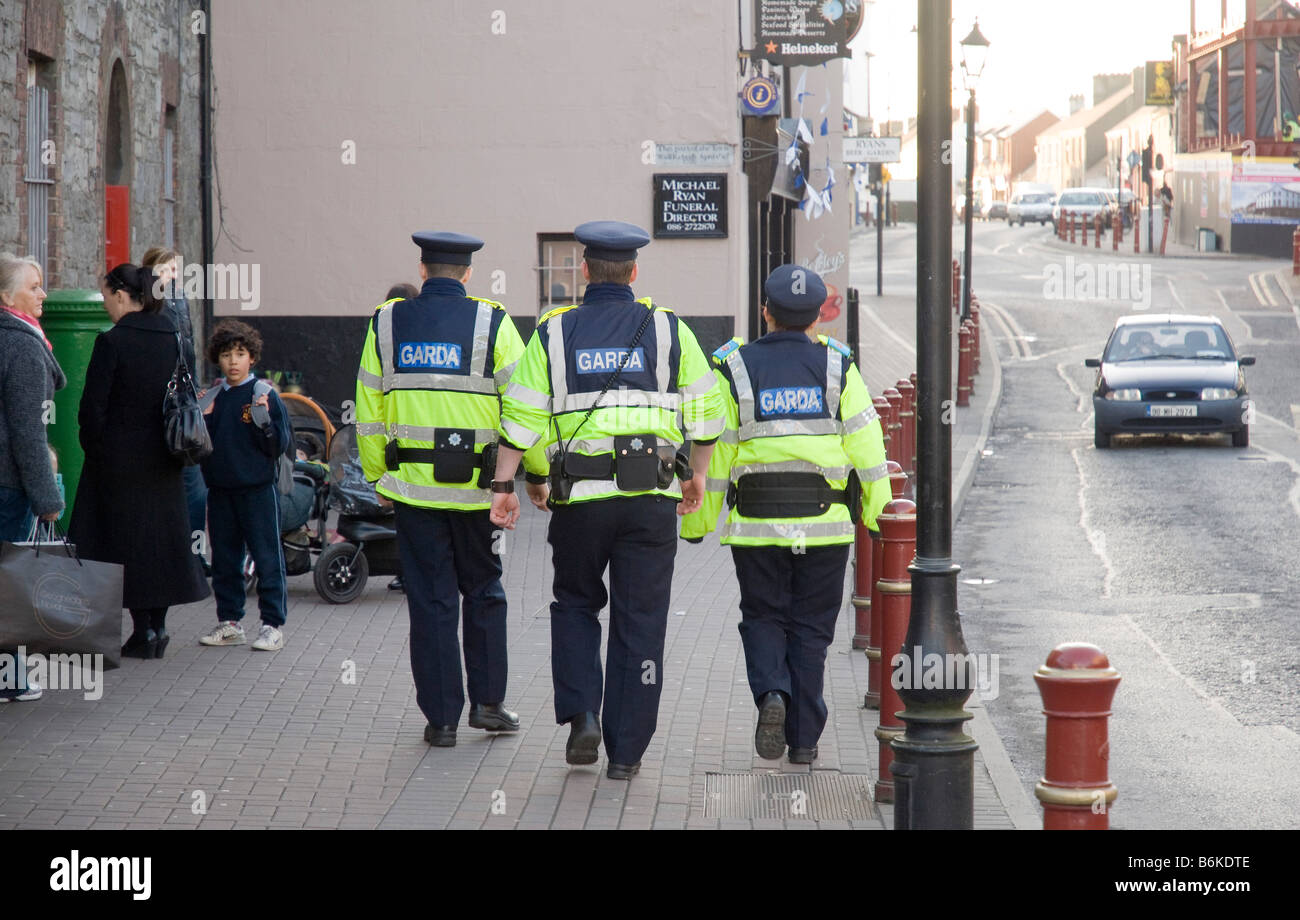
[269, 639]
[227, 633]
[32, 692]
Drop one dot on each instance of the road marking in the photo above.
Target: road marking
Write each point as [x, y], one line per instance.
[1210, 701]
[999, 249]
[1096, 538]
[1018, 332]
[1258, 285]
[1295, 414]
[1174, 291]
[1085, 399]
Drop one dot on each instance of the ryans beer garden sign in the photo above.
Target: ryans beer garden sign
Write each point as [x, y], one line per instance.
[690, 204]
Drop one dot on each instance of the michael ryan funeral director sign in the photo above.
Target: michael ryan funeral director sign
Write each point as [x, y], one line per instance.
[690, 204]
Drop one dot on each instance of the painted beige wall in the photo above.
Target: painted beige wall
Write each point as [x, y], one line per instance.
[457, 127]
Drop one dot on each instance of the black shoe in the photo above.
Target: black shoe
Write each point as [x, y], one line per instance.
[623, 770]
[493, 717]
[440, 735]
[396, 585]
[141, 646]
[769, 737]
[163, 638]
[584, 739]
[803, 755]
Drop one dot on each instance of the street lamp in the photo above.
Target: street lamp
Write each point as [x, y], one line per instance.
[974, 50]
[934, 759]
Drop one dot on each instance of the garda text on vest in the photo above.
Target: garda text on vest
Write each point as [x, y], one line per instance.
[604, 360]
[791, 401]
[441, 355]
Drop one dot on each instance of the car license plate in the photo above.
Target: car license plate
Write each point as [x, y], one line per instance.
[1171, 411]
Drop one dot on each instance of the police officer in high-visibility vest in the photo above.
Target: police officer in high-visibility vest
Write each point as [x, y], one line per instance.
[428, 405]
[601, 385]
[803, 453]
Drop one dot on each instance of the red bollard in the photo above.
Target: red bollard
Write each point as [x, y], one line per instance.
[1116, 231]
[1295, 252]
[912, 467]
[1072, 221]
[881, 406]
[1096, 226]
[897, 483]
[907, 420]
[963, 365]
[956, 285]
[975, 337]
[1083, 220]
[895, 451]
[862, 578]
[898, 537]
[1077, 685]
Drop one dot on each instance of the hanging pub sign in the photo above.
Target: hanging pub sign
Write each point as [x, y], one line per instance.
[801, 32]
[690, 204]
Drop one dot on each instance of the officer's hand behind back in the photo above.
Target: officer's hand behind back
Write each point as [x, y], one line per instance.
[538, 493]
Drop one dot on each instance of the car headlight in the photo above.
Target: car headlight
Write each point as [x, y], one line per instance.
[1125, 395]
[1218, 393]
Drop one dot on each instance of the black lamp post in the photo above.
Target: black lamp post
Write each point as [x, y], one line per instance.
[934, 760]
[974, 49]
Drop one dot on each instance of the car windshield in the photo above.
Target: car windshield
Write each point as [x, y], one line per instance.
[1155, 341]
[1037, 199]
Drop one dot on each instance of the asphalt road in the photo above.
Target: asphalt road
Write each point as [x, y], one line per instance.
[1175, 555]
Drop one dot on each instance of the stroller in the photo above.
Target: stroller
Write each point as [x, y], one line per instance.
[368, 529]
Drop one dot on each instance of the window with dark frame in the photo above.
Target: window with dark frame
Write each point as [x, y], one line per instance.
[559, 271]
[169, 177]
[38, 171]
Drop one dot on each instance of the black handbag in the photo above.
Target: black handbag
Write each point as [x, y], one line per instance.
[184, 430]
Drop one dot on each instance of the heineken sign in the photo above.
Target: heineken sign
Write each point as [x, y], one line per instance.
[801, 32]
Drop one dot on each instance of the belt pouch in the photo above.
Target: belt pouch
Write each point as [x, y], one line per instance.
[487, 469]
[636, 462]
[390, 456]
[582, 466]
[782, 495]
[453, 454]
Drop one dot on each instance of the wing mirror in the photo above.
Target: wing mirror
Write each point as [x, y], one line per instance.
[1246, 361]
[1092, 362]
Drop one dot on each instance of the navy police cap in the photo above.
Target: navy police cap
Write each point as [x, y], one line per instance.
[794, 294]
[446, 248]
[611, 240]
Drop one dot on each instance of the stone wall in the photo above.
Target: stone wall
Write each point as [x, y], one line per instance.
[77, 43]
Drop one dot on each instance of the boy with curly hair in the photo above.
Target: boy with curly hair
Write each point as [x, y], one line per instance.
[250, 429]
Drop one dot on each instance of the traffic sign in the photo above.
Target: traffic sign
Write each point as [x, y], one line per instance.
[872, 149]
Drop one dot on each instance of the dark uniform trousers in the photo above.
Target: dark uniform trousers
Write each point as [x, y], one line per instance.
[636, 537]
[789, 603]
[447, 556]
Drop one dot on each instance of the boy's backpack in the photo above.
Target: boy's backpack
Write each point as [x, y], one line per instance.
[284, 463]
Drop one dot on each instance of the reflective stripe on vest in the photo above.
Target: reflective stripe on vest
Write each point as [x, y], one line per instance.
[472, 496]
[788, 531]
[562, 401]
[751, 427]
[474, 382]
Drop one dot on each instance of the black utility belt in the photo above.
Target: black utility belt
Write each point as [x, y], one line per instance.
[791, 495]
[635, 465]
[452, 456]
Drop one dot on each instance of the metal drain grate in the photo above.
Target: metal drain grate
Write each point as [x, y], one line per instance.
[816, 796]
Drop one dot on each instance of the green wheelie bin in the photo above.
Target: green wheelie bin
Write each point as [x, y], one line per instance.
[72, 319]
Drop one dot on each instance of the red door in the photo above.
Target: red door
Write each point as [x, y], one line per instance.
[117, 225]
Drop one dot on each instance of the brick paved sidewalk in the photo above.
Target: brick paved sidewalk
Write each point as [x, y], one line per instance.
[230, 737]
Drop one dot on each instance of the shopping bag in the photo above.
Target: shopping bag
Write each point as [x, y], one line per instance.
[52, 602]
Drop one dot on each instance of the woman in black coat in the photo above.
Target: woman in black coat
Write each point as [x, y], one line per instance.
[130, 506]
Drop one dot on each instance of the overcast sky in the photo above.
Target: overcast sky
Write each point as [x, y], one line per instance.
[1041, 51]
